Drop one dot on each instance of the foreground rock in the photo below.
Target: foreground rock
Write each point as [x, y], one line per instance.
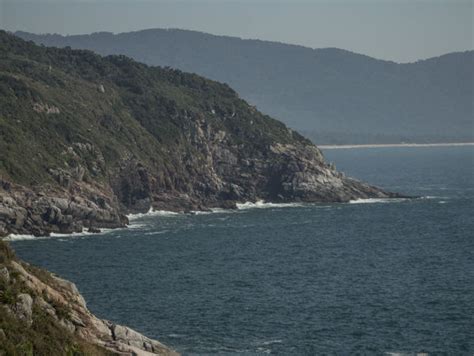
[36, 300]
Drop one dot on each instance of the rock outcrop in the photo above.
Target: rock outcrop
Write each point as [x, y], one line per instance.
[156, 138]
[44, 211]
[30, 297]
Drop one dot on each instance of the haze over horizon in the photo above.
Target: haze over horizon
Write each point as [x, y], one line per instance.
[399, 31]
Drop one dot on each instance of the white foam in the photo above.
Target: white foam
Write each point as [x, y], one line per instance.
[175, 335]
[132, 225]
[433, 197]
[377, 200]
[136, 226]
[269, 342]
[211, 211]
[220, 210]
[20, 237]
[151, 212]
[151, 233]
[24, 237]
[260, 204]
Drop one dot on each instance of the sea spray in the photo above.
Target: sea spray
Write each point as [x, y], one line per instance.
[260, 204]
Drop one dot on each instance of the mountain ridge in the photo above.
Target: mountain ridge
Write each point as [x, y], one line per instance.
[23, 34]
[333, 95]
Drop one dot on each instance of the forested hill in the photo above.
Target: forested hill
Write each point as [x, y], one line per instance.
[333, 95]
[85, 139]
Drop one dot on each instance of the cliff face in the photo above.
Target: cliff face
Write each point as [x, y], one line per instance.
[86, 139]
[42, 314]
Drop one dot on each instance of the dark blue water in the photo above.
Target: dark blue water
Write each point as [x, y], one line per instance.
[341, 278]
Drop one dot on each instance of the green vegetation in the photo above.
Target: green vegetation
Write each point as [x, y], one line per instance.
[143, 113]
[334, 95]
[45, 337]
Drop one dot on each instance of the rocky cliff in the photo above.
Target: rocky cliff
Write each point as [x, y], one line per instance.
[86, 139]
[42, 314]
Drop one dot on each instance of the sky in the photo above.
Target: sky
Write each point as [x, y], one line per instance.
[398, 30]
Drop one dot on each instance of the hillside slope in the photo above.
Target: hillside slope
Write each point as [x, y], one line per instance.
[334, 95]
[86, 139]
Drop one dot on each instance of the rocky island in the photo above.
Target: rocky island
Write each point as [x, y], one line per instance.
[86, 140]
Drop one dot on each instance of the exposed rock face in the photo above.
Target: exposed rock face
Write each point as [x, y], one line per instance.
[153, 138]
[24, 308]
[4, 274]
[45, 108]
[61, 300]
[219, 174]
[124, 338]
[40, 212]
[222, 174]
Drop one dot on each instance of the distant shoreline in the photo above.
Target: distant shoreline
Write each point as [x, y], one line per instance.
[335, 147]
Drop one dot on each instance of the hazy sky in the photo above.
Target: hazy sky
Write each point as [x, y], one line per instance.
[399, 30]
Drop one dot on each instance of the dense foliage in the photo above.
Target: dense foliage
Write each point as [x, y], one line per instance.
[52, 99]
[335, 95]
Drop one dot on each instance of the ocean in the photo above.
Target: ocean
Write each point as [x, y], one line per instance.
[366, 277]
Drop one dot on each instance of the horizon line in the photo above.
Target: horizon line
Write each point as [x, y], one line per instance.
[241, 39]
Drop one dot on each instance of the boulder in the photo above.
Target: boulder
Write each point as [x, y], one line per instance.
[127, 336]
[23, 308]
[4, 274]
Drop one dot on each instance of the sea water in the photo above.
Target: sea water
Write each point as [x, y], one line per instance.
[371, 276]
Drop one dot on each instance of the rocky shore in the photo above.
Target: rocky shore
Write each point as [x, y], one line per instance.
[285, 173]
[42, 211]
[37, 307]
[85, 140]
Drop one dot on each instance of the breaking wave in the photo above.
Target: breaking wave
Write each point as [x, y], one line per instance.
[378, 200]
[24, 237]
[263, 205]
[151, 212]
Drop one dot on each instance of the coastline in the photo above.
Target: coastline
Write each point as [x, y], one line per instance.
[382, 145]
[260, 204]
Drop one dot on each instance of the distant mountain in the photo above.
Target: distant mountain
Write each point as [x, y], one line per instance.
[333, 95]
